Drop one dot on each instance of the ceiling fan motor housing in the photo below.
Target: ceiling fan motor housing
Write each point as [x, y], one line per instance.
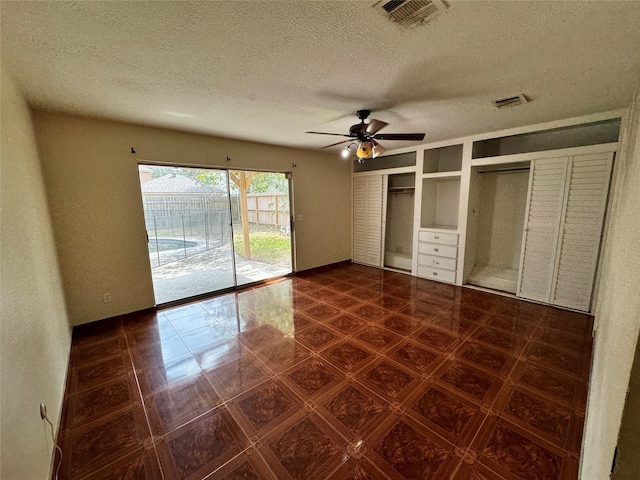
[358, 130]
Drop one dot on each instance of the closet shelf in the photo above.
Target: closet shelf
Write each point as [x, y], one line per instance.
[452, 174]
[447, 228]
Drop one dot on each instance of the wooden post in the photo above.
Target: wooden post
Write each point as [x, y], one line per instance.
[242, 181]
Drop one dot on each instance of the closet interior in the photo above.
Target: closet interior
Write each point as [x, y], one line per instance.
[495, 222]
[399, 221]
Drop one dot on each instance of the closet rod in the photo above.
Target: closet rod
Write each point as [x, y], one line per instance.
[503, 170]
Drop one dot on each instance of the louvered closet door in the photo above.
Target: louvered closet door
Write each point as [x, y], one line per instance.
[367, 219]
[542, 225]
[581, 230]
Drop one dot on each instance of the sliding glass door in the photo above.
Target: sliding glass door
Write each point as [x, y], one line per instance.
[261, 228]
[196, 218]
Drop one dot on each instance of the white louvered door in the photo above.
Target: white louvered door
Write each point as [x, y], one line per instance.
[542, 224]
[367, 219]
[581, 230]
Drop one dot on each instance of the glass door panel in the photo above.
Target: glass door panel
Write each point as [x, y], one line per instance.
[188, 223]
[261, 225]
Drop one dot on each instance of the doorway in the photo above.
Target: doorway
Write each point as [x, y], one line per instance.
[214, 229]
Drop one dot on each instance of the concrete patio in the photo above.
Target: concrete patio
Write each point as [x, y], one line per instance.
[208, 272]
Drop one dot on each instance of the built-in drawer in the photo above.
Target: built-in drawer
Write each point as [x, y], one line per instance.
[436, 274]
[438, 250]
[438, 262]
[438, 237]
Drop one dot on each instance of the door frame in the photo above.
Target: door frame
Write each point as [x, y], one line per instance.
[288, 176]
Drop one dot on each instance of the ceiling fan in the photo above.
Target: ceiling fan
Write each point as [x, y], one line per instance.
[364, 136]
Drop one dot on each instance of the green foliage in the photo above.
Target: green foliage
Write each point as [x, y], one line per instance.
[261, 182]
[212, 178]
[264, 182]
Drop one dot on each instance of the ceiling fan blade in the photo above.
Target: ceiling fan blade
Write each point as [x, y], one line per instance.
[374, 126]
[339, 143]
[326, 133]
[399, 136]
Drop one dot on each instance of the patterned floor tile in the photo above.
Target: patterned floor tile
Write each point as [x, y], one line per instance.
[305, 448]
[401, 448]
[391, 381]
[353, 410]
[343, 371]
[312, 378]
[238, 376]
[263, 407]
[201, 447]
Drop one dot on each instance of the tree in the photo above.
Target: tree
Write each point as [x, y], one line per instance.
[245, 182]
[162, 171]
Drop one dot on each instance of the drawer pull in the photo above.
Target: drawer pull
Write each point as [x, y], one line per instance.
[435, 274]
[436, 237]
[435, 249]
[436, 262]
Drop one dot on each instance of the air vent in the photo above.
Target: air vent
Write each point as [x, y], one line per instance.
[511, 101]
[408, 13]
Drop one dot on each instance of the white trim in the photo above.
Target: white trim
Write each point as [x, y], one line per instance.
[567, 122]
[463, 209]
[538, 127]
[562, 152]
[386, 171]
[451, 174]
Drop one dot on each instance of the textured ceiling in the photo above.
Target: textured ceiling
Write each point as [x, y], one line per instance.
[270, 70]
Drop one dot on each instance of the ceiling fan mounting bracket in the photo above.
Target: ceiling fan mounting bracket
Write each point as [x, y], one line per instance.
[363, 114]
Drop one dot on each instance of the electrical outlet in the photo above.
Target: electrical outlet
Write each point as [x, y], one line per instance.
[43, 410]
[106, 297]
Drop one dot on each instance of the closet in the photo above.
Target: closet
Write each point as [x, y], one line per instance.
[497, 206]
[565, 212]
[398, 243]
[367, 219]
[520, 212]
[383, 211]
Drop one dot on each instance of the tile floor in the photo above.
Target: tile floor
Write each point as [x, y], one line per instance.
[341, 372]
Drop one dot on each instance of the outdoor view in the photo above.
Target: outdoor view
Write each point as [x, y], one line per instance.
[192, 220]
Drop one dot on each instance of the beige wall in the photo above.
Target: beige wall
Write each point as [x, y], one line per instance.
[627, 459]
[93, 189]
[34, 334]
[618, 311]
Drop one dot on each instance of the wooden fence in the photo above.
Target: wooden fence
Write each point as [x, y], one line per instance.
[264, 208]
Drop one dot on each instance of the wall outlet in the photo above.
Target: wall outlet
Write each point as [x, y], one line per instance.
[106, 297]
[300, 217]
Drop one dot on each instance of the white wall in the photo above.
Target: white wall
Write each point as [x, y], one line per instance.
[399, 229]
[503, 201]
[34, 334]
[96, 207]
[618, 311]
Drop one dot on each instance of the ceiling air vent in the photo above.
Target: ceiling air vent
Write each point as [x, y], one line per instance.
[408, 13]
[511, 101]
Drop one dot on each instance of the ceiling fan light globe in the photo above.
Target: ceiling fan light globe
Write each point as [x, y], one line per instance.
[364, 150]
[345, 152]
[378, 150]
